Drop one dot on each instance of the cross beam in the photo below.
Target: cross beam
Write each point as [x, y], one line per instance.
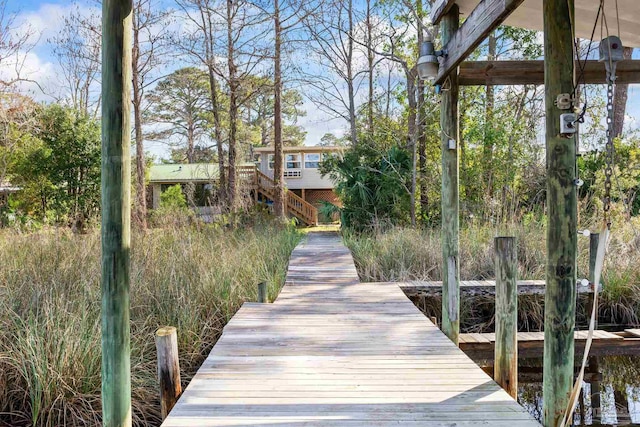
[487, 15]
[480, 73]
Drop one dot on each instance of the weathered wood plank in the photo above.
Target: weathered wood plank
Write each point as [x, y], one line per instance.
[486, 16]
[483, 73]
[439, 9]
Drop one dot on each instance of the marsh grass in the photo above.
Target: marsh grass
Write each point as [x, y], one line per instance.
[194, 279]
[402, 254]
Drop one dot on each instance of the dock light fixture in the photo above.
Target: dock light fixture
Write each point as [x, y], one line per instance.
[428, 61]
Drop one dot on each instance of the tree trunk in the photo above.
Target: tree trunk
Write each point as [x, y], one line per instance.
[141, 190]
[278, 170]
[205, 16]
[488, 143]
[621, 93]
[350, 78]
[412, 137]
[370, 61]
[233, 109]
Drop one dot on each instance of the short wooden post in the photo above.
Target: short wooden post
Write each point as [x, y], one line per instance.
[562, 225]
[116, 212]
[262, 292]
[434, 320]
[506, 352]
[594, 240]
[168, 368]
[450, 191]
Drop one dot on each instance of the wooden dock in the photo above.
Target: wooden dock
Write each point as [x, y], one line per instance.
[331, 351]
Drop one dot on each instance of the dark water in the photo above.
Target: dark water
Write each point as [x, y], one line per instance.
[619, 391]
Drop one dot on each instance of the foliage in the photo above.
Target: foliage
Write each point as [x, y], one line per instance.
[57, 165]
[372, 184]
[194, 279]
[173, 198]
[179, 108]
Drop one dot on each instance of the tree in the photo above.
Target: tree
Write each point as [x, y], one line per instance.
[332, 31]
[260, 111]
[78, 48]
[372, 185]
[201, 45]
[59, 166]
[148, 39]
[179, 105]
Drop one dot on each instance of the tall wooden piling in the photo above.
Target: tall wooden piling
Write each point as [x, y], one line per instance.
[450, 190]
[168, 368]
[506, 351]
[116, 202]
[560, 295]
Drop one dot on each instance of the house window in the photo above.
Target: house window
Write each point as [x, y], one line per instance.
[312, 160]
[292, 161]
[271, 160]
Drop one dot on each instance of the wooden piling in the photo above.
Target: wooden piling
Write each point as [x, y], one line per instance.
[262, 292]
[560, 295]
[594, 240]
[116, 215]
[450, 191]
[506, 351]
[168, 368]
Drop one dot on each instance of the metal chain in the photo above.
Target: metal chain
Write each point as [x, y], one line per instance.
[609, 150]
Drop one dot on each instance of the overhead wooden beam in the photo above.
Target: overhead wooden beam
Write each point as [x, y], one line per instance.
[484, 73]
[439, 9]
[488, 15]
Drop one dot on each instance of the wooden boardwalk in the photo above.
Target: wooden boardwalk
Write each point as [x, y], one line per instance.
[333, 352]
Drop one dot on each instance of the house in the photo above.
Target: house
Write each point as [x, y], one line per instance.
[301, 171]
[306, 188]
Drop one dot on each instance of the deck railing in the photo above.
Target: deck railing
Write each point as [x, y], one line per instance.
[295, 204]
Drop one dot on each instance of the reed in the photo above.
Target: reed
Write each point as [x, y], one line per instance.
[193, 279]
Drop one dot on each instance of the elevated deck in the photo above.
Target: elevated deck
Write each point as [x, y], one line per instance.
[333, 352]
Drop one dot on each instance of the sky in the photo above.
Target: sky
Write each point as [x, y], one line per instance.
[45, 18]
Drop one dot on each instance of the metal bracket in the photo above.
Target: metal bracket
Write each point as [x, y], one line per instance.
[564, 101]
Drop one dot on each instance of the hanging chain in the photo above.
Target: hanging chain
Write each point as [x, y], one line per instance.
[609, 150]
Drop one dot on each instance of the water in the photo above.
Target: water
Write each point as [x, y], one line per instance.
[619, 391]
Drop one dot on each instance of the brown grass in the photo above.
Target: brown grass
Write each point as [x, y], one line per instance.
[50, 312]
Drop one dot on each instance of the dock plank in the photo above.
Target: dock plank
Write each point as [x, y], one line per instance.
[331, 351]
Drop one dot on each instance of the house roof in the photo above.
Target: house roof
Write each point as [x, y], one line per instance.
[300, 149]
[529, 15]
[189, 172]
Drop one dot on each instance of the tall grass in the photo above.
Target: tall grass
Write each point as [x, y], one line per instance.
[403, 254]
[50, 312]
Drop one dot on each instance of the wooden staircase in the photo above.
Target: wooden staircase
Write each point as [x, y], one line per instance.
[296, 206]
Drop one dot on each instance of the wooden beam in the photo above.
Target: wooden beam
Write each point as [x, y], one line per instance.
[560, 296]
[439, 9]
[488, 15]
[449, 139]
[116, 212]
[484, 73]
